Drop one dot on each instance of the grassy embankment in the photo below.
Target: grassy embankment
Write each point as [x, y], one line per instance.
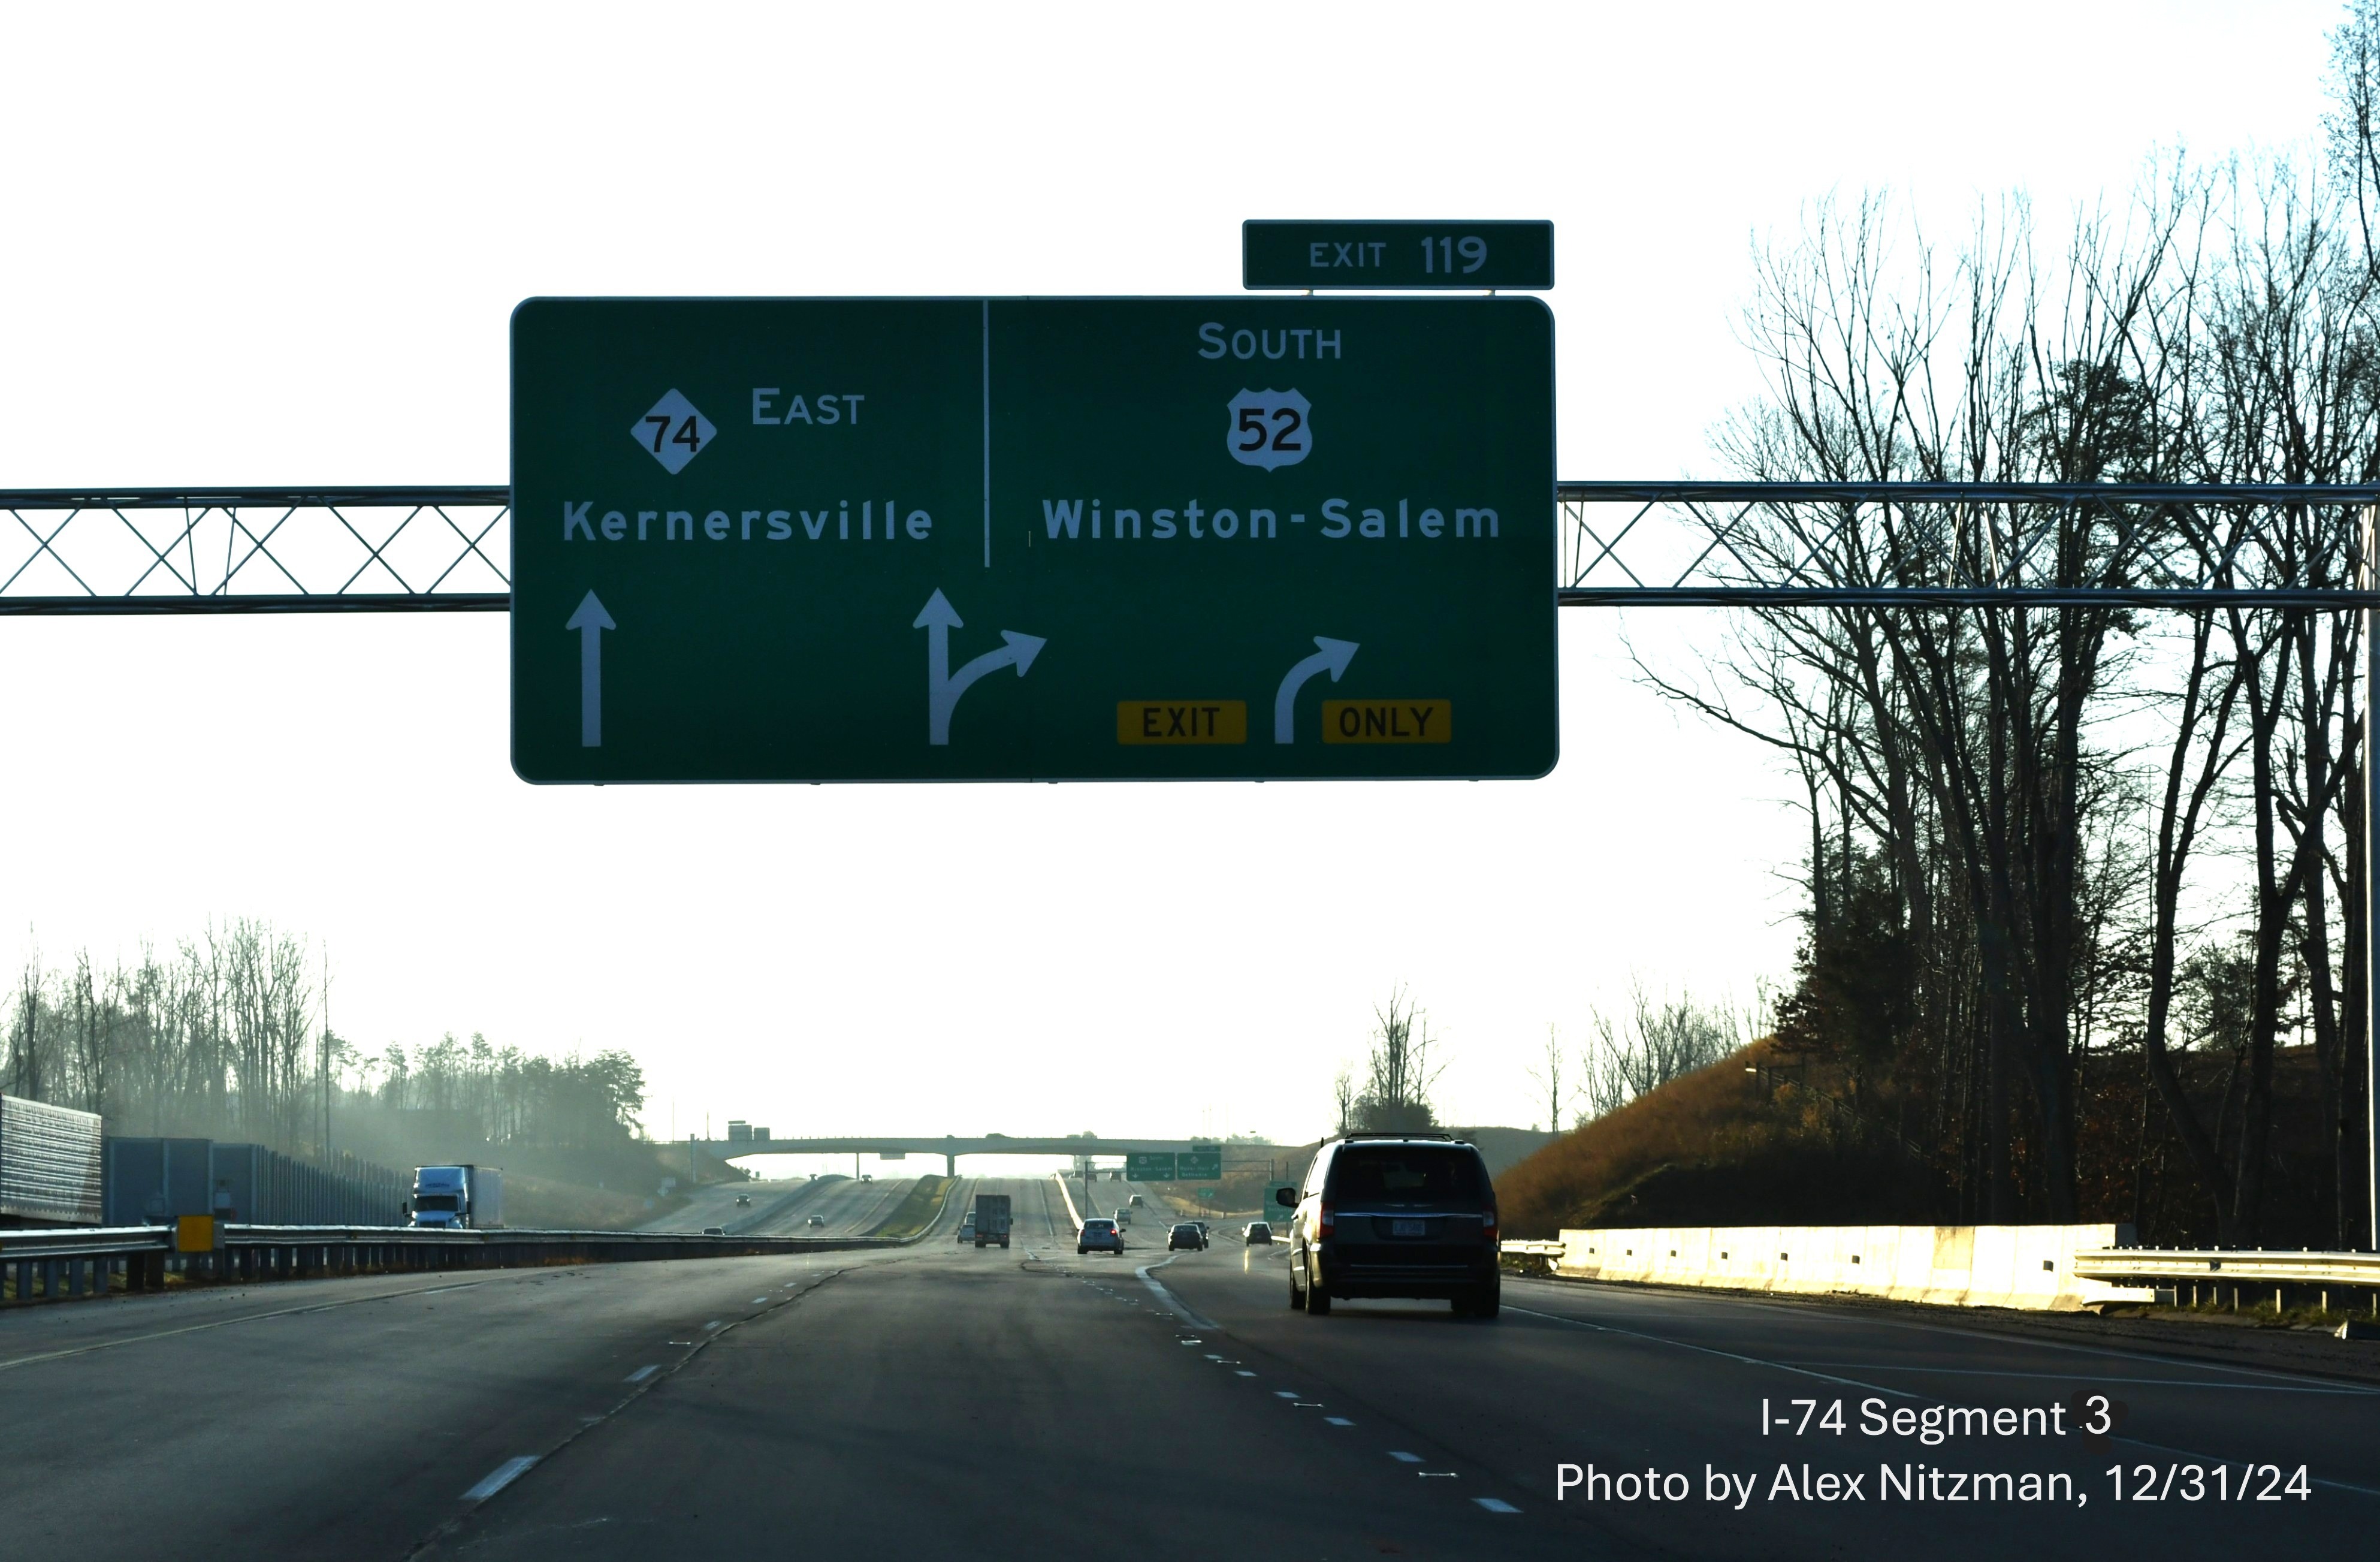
[1712, 1149]
[540, 1203]
[917, 1211]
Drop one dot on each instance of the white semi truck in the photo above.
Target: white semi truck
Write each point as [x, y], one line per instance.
[456, 1195]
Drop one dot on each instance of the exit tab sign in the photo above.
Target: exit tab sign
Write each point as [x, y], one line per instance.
[1397, 254]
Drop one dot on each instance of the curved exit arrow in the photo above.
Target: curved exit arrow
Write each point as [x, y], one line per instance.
[1332, 658]
[943, 687]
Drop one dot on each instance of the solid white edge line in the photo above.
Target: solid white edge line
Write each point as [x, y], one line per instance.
[499, 1478]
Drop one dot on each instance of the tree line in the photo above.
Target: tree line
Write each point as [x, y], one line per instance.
[2084, 883]
[225, 1036]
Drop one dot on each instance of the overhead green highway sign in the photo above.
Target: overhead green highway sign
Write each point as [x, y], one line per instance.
[1199, 1160]
[965, 539]
[1151, 1166]
[1397, 254]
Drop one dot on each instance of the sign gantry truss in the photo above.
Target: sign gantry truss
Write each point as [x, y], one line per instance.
[1964, 546]
[1675, 543]
[265, 550]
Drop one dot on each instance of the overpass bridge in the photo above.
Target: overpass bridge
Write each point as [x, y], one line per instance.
[757, 1141]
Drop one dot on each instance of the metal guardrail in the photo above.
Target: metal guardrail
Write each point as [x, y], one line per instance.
[56, 1264]
[2265, 1267]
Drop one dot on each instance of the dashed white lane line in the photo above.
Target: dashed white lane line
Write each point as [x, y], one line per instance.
[714, 1324]
[1403, 1457]
[760, 1300]
[642, 1373]
[499, 1478]
[1284, 1393]
[1338, 1421]
[1244, 1373]
[1495, 1505]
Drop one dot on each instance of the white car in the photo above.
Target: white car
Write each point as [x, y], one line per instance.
[966, 1226]
[1099, 1235]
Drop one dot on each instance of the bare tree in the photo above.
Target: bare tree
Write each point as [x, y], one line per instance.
[1655, 1042]
[1342, 1097]
[1402, 1071]
[1547, 1077]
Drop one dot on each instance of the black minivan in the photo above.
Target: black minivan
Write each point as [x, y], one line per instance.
[1394, 1214]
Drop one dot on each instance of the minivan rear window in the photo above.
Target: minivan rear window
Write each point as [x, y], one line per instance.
[1405, 1173]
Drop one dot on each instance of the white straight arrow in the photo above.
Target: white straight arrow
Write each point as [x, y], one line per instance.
[1332, 658]
[938, 618]
[591, 621]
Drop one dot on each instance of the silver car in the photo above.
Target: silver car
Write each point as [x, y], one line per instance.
[1099, 1235]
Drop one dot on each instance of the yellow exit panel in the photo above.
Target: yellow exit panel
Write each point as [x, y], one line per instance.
[194, 1234]
[1182, 721]
[1388, 721]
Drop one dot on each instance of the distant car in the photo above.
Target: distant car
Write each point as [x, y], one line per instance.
[715, 1231]
[1135, 1200]
[816, 1220]
[1201, 1225]
[1186, 1236]
[1123, 1217]
[742, 1201]
[1099, 1236]
[867, 1177]
[966, 1226]
[1257, 1234]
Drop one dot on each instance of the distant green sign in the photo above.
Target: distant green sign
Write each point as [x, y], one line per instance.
[1397, 254]
[1011, 539]
[1148, 1167]
[1199, 1161]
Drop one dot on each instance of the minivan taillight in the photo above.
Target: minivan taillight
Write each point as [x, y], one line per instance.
[1326, 1220]
[1487, 1222]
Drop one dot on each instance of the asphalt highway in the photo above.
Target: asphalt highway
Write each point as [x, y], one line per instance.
[848, 1206]
[940, 1400]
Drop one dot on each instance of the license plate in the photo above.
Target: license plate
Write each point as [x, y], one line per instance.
[1408, 1228]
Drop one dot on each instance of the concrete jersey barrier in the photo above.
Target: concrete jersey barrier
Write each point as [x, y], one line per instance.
[2021, 1266]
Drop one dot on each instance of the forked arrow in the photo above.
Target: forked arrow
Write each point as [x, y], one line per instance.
[944, 686]
[1332, 658]
[591, 621]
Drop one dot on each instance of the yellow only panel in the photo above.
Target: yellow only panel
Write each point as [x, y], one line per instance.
[194, 1234]
[1182, 721]
[1388, 721]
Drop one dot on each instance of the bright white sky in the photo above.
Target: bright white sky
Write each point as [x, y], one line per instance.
[264, 246]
